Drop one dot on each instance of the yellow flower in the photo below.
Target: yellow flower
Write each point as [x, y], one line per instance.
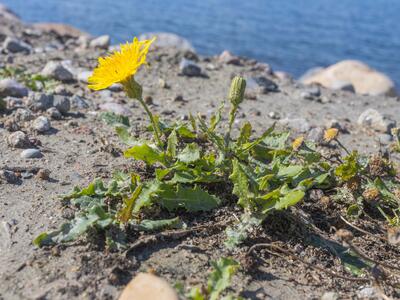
[330, 134]
[120, 65]
[297, 143]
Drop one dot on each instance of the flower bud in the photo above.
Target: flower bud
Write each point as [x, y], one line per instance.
[236, 92]
[132, 88]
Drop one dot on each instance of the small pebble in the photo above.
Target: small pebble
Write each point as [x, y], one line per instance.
[43, 174]
[54, 113]
[41, 124]
[31, 153]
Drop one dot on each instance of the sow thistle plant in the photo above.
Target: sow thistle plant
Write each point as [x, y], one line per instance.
[192, 162]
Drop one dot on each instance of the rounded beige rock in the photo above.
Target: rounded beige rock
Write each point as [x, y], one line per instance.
[147, 286]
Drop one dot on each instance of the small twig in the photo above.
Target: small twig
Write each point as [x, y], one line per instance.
[362, 230]
[295, 257]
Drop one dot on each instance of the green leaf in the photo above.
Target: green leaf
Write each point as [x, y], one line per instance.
[349, 168]
[221, 276]
[145, 198]
[125, 136]
[95, 188]
[245, 133]
[276, 140]
[249, 146]
[183, 131]
[172, 143]
[195, 294]
[111, 118]
[216, 118]
[156, 225]
[290, 199]
[190, 153]
[192, 199]
[240, 184]
[289, 171]
[145, 153]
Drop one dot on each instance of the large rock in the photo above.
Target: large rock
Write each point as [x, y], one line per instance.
[39, 101]
[364, 79]
[147, 287]
[60, 29]
[10, 87]
[168, 40]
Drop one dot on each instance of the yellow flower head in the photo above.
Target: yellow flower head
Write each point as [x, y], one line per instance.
[330, 134]
[120, 65]
[297, 143]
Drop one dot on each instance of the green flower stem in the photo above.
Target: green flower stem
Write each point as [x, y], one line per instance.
[156, 129]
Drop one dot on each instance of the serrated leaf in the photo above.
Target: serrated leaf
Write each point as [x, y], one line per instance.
[172, 143]
[145, 198]
[183, 131]
[245, 133]
[190, 154]
[220, 277]
[276, 140]
[240, 184]
[216, 118]
[192, 199]
[95, 188]
[146, 153]
[156, 225]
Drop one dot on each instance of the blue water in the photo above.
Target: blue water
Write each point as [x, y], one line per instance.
[291, 35]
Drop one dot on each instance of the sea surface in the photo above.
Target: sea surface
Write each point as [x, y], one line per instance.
[290, 35]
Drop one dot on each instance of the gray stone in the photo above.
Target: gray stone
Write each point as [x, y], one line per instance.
[62, 103]
[8, 176]
[116, 87]
[102, 42]
[23, 115]
[83, 76]
[54, 113]
[274, 115]
[385, 138]
[189, 68]
[31, 153]
[168, 40]
[79, 102]
[260, 84]
[40, 101]
[62, 90]
[13, 45]
[342, 86]
[330, 296]
[116, 108]
[18, 139]
[367, 293]
[12, 88]
[297, 124]
[316, 135]
[41, 124]
[57, 70]
[375, 120]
